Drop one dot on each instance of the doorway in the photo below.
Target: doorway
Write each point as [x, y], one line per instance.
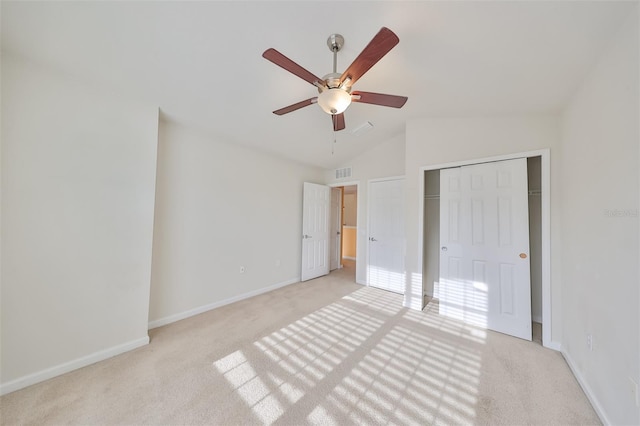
[346, 217]
[349, 224]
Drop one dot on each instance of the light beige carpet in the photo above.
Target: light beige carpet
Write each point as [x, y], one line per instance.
[322, 352]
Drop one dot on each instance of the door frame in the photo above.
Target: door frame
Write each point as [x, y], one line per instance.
[545, 181]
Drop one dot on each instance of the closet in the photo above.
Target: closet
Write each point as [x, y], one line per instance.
[431, 235]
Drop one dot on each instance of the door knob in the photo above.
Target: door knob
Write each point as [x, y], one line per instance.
[372, 239]
[523, 255]
[306, 236]
[444, 248]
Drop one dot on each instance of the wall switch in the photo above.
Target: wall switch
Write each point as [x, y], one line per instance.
[590, 342]
[242, 269]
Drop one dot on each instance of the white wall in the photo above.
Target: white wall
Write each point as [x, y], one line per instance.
[350, 209]
[435, 141]
[221, 206]
[600, 247]
[78, 185]
[384, 160]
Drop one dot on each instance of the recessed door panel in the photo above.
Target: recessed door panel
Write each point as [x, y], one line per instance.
[506, 289]
[477, 222]
[504, 222]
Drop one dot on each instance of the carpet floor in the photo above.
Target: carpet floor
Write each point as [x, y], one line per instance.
[326, 351]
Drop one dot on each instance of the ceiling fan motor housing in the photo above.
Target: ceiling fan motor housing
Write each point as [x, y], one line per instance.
[333, 81]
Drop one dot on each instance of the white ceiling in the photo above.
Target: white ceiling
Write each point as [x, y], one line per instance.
[201, 63]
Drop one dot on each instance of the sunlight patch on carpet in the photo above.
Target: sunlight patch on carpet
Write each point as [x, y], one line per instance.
[367, 360]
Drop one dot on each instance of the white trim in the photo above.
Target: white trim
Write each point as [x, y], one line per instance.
[382, 179]
[556, 346]
[545, 182]
[349, 227]
[536, 318]
[349, 257]
[525, 154]
[204, 308]
[337, 184]
[58, 370]
[545, 170]
[587, 390]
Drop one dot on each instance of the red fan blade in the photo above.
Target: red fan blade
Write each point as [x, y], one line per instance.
[379, 99]
[379, 46]
[282, 61]
[295, 106]
[338, 122]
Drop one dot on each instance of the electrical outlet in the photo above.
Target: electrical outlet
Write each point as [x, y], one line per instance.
[590, 342]
[242, 269]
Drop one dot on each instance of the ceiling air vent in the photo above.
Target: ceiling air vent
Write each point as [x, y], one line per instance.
[362, 129]
[343, 173]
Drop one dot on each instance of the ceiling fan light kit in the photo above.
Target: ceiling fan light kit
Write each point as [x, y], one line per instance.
[334, 89]
[334, 100]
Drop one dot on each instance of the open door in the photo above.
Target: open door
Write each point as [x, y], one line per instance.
[484, 243]
[315, 231]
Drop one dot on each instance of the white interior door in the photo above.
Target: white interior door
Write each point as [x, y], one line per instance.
[484, 239]
[315, 231]
[336, 227]
[385, 269]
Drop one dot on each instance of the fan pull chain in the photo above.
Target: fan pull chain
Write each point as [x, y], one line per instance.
[334, 142]
[333, 119]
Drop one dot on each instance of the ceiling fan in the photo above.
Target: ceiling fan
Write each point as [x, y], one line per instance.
[334, 89]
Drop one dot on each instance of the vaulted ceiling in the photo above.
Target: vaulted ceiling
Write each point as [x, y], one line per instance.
[201, 62]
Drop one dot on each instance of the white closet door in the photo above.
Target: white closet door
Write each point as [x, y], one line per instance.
[484, 239]
[386, 235]
[315, 231]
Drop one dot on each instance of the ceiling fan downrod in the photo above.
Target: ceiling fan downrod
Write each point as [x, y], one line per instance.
[335, 43]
